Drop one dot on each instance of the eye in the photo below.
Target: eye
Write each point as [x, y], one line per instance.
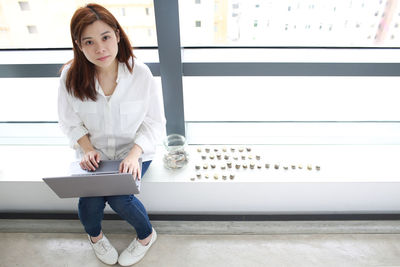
[88, 42]
[106, 37]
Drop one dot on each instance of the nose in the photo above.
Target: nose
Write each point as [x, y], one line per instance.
[100, 48]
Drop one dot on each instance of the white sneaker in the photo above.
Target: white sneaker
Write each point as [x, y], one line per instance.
[135, 251]
[105, 251]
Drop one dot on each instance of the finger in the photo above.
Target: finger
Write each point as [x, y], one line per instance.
[82, 166]
[133, 172]
[90, 166]
[83, 163]
[139, 174]
[87, 168]
[125, 168]
[130, 170]
[97, 157]
[93, 161]
[121, 167]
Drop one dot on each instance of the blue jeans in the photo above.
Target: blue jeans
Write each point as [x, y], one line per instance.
[128, 207]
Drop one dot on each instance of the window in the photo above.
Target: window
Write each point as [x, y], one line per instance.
[24, 5]
[285, 85]
[59, 12]
[283, 104]
[272, 88]
[350, 23]
[28, 106]
[32, 29]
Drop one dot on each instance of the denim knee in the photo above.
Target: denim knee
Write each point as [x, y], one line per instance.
[119, 203]
[92, 203]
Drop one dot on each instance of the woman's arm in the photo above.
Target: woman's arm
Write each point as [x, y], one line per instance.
[152, 130]
[68, 120]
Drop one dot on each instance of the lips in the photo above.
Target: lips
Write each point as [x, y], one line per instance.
[102, 58]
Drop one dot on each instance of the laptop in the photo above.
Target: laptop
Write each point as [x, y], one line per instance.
[105, 167]
[104, 181]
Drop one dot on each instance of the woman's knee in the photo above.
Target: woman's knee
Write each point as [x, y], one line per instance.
[91, 204]
[119, 203]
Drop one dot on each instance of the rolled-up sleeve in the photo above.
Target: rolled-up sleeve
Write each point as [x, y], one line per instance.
[152, 130]
[70, 123]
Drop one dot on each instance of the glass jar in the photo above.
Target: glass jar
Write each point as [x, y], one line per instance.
[176, 156]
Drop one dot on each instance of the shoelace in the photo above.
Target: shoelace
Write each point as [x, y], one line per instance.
[104, 246]
[132, 246]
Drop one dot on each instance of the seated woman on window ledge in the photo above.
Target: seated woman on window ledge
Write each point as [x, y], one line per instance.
[110, 108]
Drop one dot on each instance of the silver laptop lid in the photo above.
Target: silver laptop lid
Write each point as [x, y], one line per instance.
[105, 181]
[93, 185]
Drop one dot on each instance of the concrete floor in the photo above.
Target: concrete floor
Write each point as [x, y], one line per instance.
[208, 243]
[73, 249]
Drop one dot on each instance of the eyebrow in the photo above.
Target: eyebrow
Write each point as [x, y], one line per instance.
[85, 38]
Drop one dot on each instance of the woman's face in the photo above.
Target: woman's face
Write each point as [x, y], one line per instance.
[99, 44]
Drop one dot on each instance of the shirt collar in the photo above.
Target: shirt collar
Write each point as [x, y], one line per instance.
[122, 72]
[97, 86]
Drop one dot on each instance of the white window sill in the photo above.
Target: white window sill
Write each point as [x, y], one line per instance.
[353, 179]
[338, 163]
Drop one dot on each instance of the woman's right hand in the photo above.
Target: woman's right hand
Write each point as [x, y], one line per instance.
[90, 160]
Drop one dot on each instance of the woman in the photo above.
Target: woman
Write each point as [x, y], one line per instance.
[110, 107]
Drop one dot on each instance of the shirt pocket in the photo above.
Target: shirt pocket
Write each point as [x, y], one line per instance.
[131, 113]
[89, 115]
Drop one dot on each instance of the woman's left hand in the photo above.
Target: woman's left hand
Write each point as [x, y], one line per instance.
[131, 165]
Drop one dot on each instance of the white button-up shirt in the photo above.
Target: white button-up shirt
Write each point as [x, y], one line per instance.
[134, 114]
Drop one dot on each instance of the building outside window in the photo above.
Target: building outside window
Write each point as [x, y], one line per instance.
[24, 5]
[314, 23]
[32, 29]
[13, 16]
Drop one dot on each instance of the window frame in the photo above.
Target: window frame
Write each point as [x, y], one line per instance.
[172, 68]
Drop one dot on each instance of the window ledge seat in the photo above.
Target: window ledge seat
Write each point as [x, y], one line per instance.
[351, 179]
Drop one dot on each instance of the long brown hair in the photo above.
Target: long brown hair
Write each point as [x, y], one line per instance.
[80, 80]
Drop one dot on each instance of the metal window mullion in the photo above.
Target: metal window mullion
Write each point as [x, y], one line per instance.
[169, 50]
[46, 70]
[290, 69]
